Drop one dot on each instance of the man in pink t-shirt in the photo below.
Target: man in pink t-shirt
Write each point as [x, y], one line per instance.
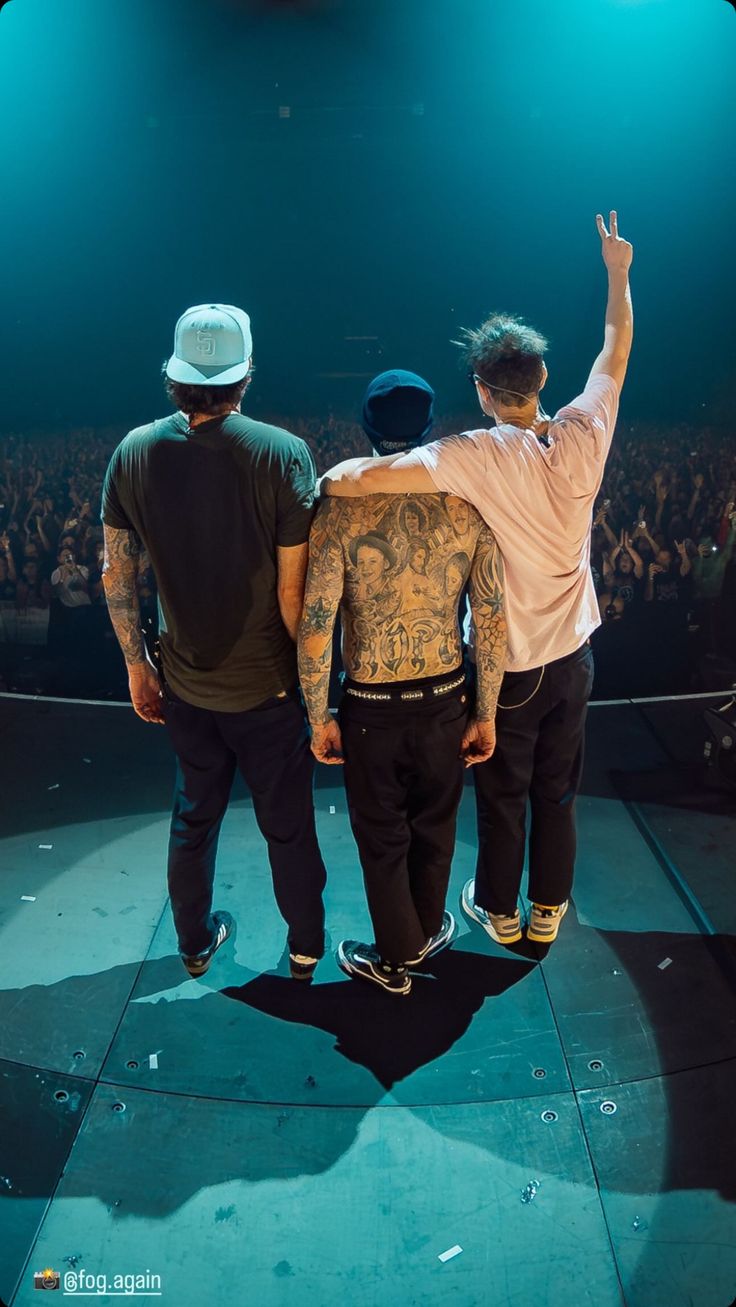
[534, 480]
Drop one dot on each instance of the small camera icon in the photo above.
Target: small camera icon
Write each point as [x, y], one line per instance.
[47, 1279]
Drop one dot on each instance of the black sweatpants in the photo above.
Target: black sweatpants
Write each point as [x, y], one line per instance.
[403, 777]
[540, 727]
[270, 747]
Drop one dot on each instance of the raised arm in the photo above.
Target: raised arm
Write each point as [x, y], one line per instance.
[119, 579]
[485, 591]
[8, 555]
[610, 559]
[636, 557]
[42, 534]
[653, 570]
[663, 491]
[601, 520]
[325, 579]
[649, 539]
[685, 563]
[609, 568]
[695, 499]
[619, 326]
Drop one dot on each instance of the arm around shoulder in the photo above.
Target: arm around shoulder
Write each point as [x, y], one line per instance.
[397, 474]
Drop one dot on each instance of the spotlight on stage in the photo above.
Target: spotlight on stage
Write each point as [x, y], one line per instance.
[720, 750]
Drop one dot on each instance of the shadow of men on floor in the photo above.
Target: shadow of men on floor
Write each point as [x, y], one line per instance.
[391, 1036]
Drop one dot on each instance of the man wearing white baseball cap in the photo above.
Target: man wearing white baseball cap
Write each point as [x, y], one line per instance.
[212, 346]
[223, 505]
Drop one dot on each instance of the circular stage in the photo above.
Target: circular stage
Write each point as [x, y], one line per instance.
[330, 1140]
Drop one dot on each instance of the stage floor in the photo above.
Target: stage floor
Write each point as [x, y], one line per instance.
[567, 1121]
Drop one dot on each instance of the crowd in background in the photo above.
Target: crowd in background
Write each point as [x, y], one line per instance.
[55, 633]
[663, 539]
[662, 556]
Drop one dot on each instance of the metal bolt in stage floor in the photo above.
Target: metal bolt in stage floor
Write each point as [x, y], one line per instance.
[523, 1129]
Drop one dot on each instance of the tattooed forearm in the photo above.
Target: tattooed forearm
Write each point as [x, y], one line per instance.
[489, 620]
[321, 617]
[314, 677]
[321, 602]
[122, 551]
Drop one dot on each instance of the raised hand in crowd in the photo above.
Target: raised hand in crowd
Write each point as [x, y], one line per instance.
[653, 570]
[685, 563]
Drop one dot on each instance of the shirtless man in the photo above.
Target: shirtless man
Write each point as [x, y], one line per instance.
[396, 570]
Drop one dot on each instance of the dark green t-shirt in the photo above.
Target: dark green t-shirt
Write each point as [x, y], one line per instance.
[211, 504]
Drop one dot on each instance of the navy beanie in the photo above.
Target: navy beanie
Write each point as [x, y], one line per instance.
[398, 411]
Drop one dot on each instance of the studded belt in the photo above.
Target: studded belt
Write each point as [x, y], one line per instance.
[404, 696]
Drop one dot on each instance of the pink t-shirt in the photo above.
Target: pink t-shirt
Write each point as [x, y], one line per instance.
[538, 501]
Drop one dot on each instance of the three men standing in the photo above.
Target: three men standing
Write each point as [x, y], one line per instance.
[223, 506]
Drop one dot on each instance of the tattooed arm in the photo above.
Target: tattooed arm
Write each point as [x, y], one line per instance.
[119, 574]
[325, 578]
[122, 551]
[489, 622]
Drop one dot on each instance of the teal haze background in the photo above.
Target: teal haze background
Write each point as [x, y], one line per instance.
[439, 160]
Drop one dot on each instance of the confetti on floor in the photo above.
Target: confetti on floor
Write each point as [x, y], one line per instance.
[451, 1252]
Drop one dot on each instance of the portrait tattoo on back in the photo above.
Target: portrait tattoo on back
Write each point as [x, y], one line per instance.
[397, 569]
[403, 580]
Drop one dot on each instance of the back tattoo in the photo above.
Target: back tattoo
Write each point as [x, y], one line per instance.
[406, 562]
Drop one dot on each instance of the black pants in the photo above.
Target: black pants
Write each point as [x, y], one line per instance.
[270, 747]
[403, 778]
[539, 759]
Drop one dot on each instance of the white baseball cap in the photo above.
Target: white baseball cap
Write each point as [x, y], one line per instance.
[212, 346]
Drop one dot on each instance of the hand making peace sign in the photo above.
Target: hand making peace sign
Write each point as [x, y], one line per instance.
[617, 253]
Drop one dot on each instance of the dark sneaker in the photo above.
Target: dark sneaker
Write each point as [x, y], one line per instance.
[501, 928]
[544, 923]
[365, 960]
[437, 942]
[301, 966]
[197, 963]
